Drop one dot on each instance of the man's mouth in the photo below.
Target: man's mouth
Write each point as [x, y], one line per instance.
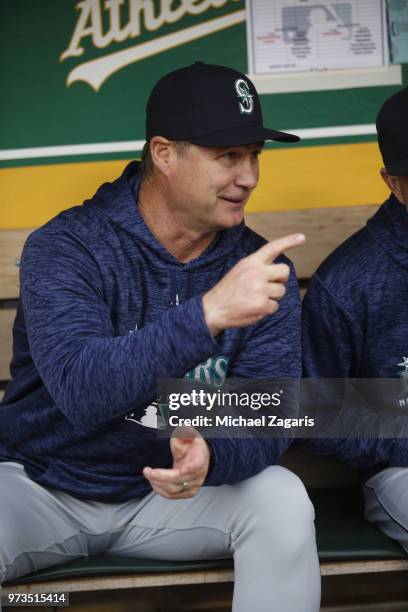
[237, 201]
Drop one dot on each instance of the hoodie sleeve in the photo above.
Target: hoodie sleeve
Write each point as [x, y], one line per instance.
[332, 343]
[272, 351]
[92, 375]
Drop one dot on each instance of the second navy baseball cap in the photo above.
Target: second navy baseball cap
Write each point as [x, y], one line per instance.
[392, 130]
[208, 105]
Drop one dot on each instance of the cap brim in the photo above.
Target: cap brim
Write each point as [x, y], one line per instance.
[233, 137]
[399, 168]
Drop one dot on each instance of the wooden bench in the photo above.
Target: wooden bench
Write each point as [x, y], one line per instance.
[348, 545]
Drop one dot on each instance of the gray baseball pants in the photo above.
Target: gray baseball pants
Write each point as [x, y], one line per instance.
[265, 522]
[386, 503]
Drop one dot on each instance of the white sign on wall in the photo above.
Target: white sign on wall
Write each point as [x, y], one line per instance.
[307, 35]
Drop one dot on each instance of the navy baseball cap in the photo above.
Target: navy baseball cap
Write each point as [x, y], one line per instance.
[392, 130]
[208, 105]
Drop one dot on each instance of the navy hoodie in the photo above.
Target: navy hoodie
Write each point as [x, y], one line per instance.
[355, 325]
[105, 311]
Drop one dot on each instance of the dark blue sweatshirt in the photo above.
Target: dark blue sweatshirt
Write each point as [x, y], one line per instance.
[105, 311]
[355, 325]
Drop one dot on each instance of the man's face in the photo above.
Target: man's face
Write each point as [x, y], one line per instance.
[209, 186]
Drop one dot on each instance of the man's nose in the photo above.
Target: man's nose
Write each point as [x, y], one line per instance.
[248, 174]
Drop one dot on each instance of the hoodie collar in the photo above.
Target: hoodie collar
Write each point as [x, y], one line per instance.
[389, 228]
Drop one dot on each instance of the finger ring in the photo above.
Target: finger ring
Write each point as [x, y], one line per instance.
[185, 486]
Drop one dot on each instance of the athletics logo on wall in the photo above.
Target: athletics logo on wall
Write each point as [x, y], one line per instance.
[127, 23]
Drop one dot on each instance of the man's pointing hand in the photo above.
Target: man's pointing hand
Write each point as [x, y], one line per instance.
[251, 289]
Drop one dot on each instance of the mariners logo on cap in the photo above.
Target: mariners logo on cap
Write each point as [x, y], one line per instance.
[246, 104]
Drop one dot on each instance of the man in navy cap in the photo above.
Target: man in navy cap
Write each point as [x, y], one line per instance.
[355, 327]
[154, 277]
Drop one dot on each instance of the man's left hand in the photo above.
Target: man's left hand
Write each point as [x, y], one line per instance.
[191, 459]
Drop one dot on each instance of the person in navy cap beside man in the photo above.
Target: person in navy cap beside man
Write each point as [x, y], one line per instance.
[154, 277]
[355, 327]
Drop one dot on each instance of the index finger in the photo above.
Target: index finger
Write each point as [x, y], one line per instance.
[270, 251]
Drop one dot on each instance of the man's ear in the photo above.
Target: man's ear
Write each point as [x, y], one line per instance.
[393, 183]
[161, 151]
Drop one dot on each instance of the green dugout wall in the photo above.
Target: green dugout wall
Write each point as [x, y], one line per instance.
[76, 76]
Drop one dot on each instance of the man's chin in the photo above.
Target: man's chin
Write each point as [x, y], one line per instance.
[232, 219]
